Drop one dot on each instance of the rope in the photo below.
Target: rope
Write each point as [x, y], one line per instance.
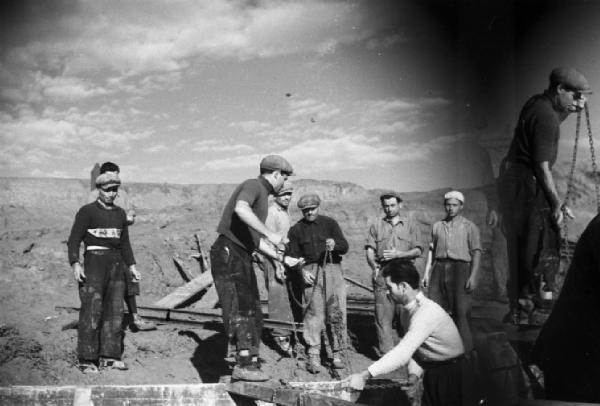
[593, 157]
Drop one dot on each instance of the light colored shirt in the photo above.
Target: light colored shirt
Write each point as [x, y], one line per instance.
[278, 220]
[431, 335]
[384, 235]
[455, 239]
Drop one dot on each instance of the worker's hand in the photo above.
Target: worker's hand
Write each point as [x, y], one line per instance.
[425, 281]
[274, 238]
[470, 285]
[411, 386]
[309, 279]
[78, 272]
[292, 262]
[390, 254]
[567, 212]
[279, 272]
[135, 274]
[329, 244]
[492, 218]
[356, 381]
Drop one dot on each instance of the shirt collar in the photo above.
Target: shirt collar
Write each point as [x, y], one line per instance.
[415, 302]
[457, 219]
[401, 219]
[266, 184]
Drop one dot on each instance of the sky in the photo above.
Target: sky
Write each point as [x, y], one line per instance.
[391, 94]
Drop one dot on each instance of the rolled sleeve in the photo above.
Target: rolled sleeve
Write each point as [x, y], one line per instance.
[415, 233]
[371, 241]
[474, 238]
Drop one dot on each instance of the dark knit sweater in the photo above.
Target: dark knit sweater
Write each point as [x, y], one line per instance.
[96, 225]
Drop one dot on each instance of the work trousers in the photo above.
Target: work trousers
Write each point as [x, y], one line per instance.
[235, 281]
[386, 310]
[279, 301]
[449, 383]
[333, 301]
[447, 288]
[100, 331]
[533, 241]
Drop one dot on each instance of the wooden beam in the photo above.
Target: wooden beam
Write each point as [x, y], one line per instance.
[185, 292]
[109, 395]
[284, 396]
[184, 274]
[357, 283]
[202, 258]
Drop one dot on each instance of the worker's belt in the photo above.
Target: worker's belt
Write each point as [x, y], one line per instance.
[109, 251]
[436, 364]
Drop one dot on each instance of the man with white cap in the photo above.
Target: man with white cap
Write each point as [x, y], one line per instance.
[319, 240]
[453, 265]
[103, 229]
[242, 231]
[529, 201]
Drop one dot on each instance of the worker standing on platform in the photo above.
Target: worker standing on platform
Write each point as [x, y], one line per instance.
[319, 240]
[242, 231]
[394, 236]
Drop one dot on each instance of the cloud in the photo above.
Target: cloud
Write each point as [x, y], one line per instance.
[312, 108]
[220, 146]
[251, 125]
[386, 42]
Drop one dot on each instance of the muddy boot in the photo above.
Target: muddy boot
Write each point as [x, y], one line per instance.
[313, 363]
[248, 369]
[284, 345]
[337, 363]
[139, 324]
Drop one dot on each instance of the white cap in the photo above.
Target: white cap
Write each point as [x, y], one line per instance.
[455, 194]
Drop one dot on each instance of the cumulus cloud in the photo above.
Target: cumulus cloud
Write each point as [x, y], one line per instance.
[220, 146]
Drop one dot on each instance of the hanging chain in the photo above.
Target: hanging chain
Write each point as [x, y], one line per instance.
[593, 156]
[565, 245]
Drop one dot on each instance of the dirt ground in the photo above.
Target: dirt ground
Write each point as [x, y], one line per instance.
[35, 278]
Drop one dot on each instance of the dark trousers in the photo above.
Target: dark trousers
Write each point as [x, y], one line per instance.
[447, 288]
[100, 331]
[449, 383]
[533, 242]
[385, 312]
[236, 286]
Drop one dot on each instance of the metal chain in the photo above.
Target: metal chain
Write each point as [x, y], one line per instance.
[593, 156]
[570, 184]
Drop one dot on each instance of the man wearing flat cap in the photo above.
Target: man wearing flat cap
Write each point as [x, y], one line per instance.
[242, 231]
[103, 229]
[319, 240]
[529, 201]
[394, 236]
[453, 265]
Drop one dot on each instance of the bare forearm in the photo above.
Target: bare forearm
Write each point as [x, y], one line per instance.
[544, 175]
[410, 254]
[371, 258]
[475, 262]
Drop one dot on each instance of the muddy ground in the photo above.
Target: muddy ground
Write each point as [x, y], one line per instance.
[35, 278]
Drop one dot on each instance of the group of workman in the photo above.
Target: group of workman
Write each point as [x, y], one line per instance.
[302, 264]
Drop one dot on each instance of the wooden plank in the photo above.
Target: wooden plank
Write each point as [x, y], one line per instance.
[284, 396]
[203, 259]
[109, 395]
[185, 292]
[182, 271]
[357, 283]
[209, 300]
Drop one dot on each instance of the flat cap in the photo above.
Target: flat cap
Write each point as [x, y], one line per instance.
[108, 179]
[287, 188]
[276, 163]
[389, 195]
[309, 201]
[455, 194]
[571, 79]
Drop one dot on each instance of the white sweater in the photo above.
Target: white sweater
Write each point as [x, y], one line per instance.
[430, 332]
